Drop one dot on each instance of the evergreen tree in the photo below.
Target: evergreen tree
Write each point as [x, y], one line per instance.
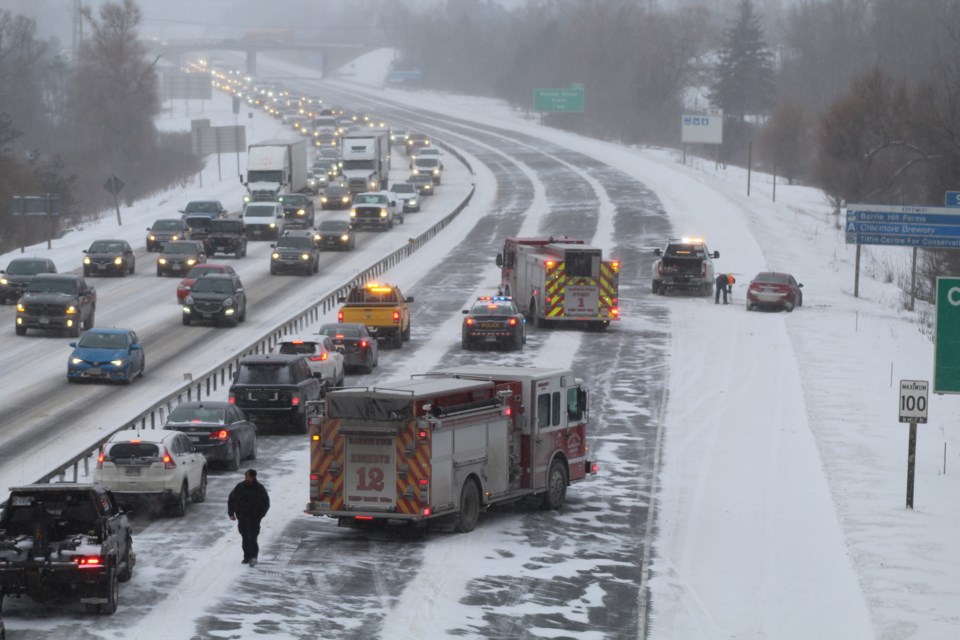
[744, 82]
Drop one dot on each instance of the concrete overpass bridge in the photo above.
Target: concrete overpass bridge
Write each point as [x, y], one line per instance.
[331, 55]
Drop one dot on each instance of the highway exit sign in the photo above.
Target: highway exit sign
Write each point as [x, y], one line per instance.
[559, 100]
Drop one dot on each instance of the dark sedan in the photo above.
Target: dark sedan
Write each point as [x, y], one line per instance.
[180, 256]
[106, 257]
[493, 321]
[165, 230]
[423, 182]
[218, 430]
[336, 196]
[774, 290]
[18, 275]
[335, 234]
[358, 347]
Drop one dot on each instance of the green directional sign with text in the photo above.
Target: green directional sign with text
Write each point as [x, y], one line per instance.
[946, 345]
[559, 100]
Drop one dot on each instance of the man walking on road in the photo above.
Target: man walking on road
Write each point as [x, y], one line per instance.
[723, 284]
[248, 504]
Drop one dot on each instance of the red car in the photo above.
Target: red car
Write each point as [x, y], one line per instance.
[186, 285]
[774, 290]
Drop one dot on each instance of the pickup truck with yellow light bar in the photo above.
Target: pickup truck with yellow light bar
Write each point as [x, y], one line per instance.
[685, 265]
[382, 308]
[65, 540]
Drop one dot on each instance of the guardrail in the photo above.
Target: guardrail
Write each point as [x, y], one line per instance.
[221, 375]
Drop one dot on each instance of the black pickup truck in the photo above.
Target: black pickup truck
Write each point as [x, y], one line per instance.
[60, 301]
[277, 389]
[65, 539]
[685, 264]
[225, 235]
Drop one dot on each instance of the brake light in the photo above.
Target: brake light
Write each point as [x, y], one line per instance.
[550, 264]
[427, 511]
[469, 322]
[223, 434]
[339, 336]
[363, 344]
[168, 462]
[339, 316]
[423, 482]
[615, 312]
[296, 342]
[320, 358]
[396, 316]
[507, 411]
[314, 477]
[364, 518]
[232, 399]
[295, 401]
[512, 322]
[88, 562]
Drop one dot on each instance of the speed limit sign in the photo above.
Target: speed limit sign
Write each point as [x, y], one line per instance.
[913, 401]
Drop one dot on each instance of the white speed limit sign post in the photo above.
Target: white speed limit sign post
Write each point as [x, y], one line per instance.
[913, 409]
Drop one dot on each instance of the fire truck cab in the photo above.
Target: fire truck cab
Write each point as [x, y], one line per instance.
[445, 445]
[560, 280]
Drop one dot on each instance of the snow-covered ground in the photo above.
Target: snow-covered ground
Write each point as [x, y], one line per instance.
[786, 519]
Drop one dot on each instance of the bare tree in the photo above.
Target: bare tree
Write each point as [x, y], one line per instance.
[785, 142]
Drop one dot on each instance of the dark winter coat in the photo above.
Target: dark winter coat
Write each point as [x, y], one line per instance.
[248, 501]
[723, 282]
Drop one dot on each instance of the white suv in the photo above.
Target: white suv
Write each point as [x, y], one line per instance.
[153, 465]
[326, 363]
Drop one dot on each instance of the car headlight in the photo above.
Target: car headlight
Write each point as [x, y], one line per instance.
[304, 256]
[76, 360]
[20, 307]
[246, 198]
[345, 199]
[383, 213]
[71, 310]
[301, 212]
[151, 238]
[275, 255]
[416, 171]
[273, 225]
[436, 172]
[191, 261]
[86, 259]
[117, 363]
[353, 213]
[412, 202]
[174, 237]
[344, 237]
[373, 184]
[118, 260]
[161, 261]
[323, 199]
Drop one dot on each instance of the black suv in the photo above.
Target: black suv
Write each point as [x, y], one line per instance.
[105, 257]
[18, 275]
[179, 257]
[298, 210]
[276, 389]
[295, 251]
[65, 539]
[60, 301]
[225, 235]
[216, 297]
[164, 230]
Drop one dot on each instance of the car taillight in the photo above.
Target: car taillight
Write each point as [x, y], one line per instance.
[223, 434]
[232, 399]
[339, 316]
[295, 401]
[168, 462]
[363, 344]
[320, 358]
[88, 562]
[469, 322]
[512, 322]
[396, 316]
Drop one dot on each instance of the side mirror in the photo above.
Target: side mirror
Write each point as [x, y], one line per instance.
[136, 347]
[465, 311]
[499, 260]
[716, 254]
[656, 252]
[800, 284]
[408, 299]
[73, 344]
[342, 299]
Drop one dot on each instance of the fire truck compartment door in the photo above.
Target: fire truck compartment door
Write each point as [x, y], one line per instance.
[480, 447]
[370, 480]
[580, 301]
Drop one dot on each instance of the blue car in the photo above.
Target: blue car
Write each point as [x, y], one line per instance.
[106, 354]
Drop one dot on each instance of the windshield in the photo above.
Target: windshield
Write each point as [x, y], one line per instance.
[295, 242]
[213, 285]
[202, 207]
[403, 187]
[106, 246]
[166, 225]
[427, 163]
[194, 413]
[180, 247]
[370, 199]
[26, 267]
[773, 278]
[334, 226]
[96, 340]
[263, 373]
[259, 212]
[297, 348]
[52, 286]
[299, 201]
[134, 450]
[335, 190]
[357, 165]
[265, 176]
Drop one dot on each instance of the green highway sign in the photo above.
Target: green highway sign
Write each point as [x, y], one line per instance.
[946, 345]
[559, 100]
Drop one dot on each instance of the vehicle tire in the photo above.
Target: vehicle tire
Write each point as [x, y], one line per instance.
[126, 573]
[800, 300]
[159, 273]
[186, 320]
[74, 331]
[749, 307]
[406, 334]
[179, 507]
[556, 493]
[92, 320]
[113, 594]
[518, 341]
[538, 322]
[86, 273]
[788, 306]
[709, 290]
[21, 331]
[397, 340]
[301, 424]
[200, 494]
[465, 344]
[253, 448]
[233, 462]
[469, 512]
[273, 271]
[133, 267]
[243, 314]
[656, 287]
[143, 368]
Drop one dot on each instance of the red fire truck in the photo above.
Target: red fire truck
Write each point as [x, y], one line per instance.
[560, 280]
[445, 445]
